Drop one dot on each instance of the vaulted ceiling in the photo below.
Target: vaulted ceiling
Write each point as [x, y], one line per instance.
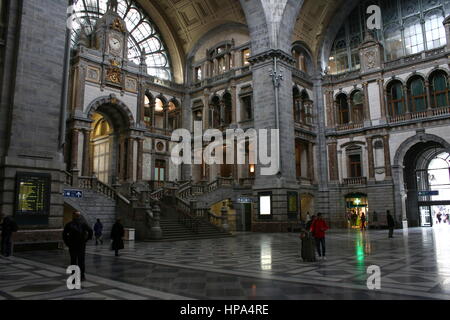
[184, 22]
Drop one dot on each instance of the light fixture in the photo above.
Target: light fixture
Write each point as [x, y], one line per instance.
[252, 168]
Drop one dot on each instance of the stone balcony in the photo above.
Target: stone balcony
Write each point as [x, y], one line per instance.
[355, 181]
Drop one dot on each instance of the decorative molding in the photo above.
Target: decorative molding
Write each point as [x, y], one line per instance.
[269, 55]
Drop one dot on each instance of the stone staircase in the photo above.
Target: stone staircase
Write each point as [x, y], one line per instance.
[95, 205]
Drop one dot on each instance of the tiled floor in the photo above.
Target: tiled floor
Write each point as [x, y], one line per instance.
[414, 265]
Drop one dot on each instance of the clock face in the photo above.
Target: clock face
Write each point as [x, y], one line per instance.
[115, 44]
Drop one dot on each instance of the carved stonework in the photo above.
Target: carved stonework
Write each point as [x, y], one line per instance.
[371, 54]
[118, 25]
[114, 75]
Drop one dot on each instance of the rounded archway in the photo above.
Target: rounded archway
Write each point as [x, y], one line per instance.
[416, 186]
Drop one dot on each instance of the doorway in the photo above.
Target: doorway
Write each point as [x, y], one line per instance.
[357, 210]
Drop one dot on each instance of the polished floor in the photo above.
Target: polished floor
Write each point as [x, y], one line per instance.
[414, 265]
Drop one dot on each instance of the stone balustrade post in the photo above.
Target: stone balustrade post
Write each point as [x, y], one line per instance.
[155, 231]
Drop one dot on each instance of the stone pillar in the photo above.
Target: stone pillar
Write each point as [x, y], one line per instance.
[87, 171]
[140, 159]
[74, 152]
[122, 160]
[382, 93]
[370, 158]
[427, 86]
[446, 23]
[155, 231]
[227, 62]
[366, 104]
[333, 161]
[141, 104]
[311, 161]
[130, 159]
[350, 109]
[387, 156]
[331, 113]
[166, 117]
[80, 84]
[206, 111]
[233, 102]
[406, 95]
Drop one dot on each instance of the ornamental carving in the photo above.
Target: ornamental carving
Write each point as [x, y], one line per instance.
[118, 25]
[114, 75]
[371, 58]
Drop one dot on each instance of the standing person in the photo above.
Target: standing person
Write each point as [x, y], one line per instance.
[308, 217]
[448, 218]
[98, 231]
[318, 228]
[8, 226]
[439, 217]
[363, 221]
[75, 235]
[391, 223]
[117, 234]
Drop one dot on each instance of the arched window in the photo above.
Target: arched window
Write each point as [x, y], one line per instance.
[440, 93]
[396, 99]
[143, 33]
[357, 99]
[408, 27]
[354, 154]
[342, 108]
[417, 94]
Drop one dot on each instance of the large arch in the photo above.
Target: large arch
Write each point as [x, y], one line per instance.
[118, 105]
[407, 158]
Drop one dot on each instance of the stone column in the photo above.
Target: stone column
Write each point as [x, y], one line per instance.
[222, 112]
[206, 111]
[141, 104]
[311, 161]
[387, 156]
[427, 86]
[87, 171]
[166, 117]
[233, 102]
[333, 161]
[331, 112]
[80, 84]
[74, 153]
[130, 159]
[382, 93]
[227, 62]
[366, 104]
[370, 158]
[350, 109]
[140, 159]
[406, 95]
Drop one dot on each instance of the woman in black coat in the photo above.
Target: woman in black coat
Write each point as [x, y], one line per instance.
[117, 234]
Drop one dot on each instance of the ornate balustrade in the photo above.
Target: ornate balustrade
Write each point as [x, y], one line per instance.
[355, 181]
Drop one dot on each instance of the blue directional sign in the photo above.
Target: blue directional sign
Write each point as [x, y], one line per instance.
[428, 193]
[244, 200]
[73, 194]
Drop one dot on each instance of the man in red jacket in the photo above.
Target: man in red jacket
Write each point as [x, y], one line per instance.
[318, 228]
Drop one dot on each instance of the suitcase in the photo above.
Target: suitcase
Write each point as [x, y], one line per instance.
[308, 248]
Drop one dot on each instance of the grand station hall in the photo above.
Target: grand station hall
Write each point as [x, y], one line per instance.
[224, 150]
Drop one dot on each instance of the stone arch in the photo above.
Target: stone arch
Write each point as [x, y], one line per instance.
[436, 69]
[337, 94]
[418, 138]
[415, 75]
[393, 79]
[114, 101]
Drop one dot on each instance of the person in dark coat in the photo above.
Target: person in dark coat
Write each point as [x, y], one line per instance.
[391, 223]
[363, 221]
[117, 234]
[98, 232]
[8, 226]
[75, 235]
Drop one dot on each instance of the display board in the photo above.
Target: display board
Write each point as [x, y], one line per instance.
[33, 194]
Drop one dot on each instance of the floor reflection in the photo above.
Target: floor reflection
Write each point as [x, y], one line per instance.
[266, 255]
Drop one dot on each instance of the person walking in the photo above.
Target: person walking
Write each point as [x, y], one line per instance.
[98, 232]
[363, 221]
[391, 223]
[8, 227]
[318, 229]
[439, 217]
[117, 234]
[75, 235]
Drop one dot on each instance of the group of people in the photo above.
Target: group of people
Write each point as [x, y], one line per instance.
[313, 235]
[442, 218]
[77, 233]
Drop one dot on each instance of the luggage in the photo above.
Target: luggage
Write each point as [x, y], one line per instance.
[308, 252]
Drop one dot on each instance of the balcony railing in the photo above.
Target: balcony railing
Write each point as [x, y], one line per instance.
[349, 126]
[355, 181]
[421, 115]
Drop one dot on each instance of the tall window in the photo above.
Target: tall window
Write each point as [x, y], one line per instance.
[408, 27]
[228, 112]
[214, 119]
[143, 33]
[357, 106]
[440, 93]
[342, 107]
[297, 105]
[354, 162]
[396, 99]
[246, 106]
[417, 94]
[160, 170]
